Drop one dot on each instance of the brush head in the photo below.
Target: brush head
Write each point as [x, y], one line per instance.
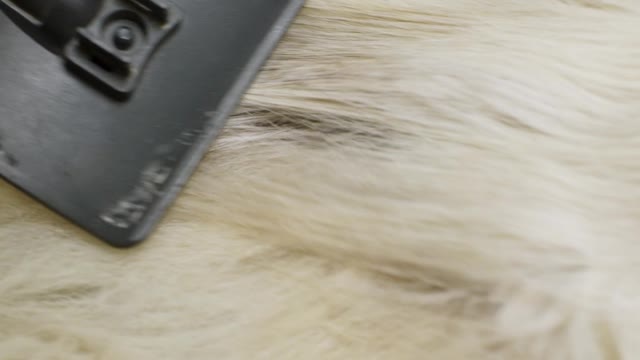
[107, 127]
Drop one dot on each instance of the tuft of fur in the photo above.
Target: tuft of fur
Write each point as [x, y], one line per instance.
[408, 179]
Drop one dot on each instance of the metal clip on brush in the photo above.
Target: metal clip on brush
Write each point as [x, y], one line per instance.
[102, 102]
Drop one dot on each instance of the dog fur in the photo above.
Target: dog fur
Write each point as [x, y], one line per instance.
[408, 179]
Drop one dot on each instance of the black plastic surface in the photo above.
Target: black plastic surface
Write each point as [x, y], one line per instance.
[51, 22]
[114, 167]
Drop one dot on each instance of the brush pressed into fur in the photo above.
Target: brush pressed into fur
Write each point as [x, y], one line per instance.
[407, 179]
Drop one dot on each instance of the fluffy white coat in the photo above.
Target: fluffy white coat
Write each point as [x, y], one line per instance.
[408, 179]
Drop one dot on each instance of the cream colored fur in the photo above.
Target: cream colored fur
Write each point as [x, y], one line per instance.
[408, 179]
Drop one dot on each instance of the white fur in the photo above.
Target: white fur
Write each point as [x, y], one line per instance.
[408, 179]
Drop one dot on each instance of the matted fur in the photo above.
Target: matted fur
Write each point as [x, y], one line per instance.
[409, 179]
